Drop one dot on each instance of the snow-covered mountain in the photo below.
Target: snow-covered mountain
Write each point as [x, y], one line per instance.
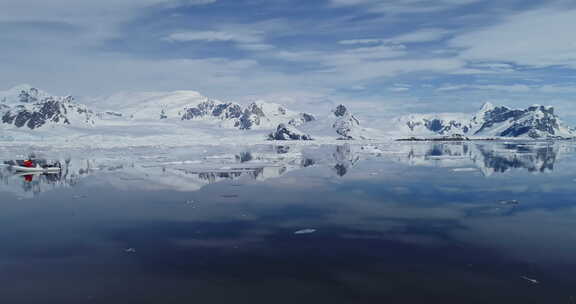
[338, 124]
[535, 122]
[436, 123]
[28, 107]
[346, 124]
[491, 121]
[193, 106]
[256, 115]
[28, 114]
[178, 118]
[149, 105]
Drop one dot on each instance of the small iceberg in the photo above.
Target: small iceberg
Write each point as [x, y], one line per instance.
[509, 202]
[305, 231]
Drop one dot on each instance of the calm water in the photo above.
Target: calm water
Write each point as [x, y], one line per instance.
[406, 223]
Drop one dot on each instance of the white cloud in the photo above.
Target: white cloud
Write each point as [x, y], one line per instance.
[399, 89]
[425, 35]
[537, 38]
[495, 66]
[249, 37]
[349, 67]
[375, 52]
[211, 36]
[515, 88]
[557, 89]
[404, 6]
[98, 19]
[345, 57]
[388, 68]
[360, 41]
[256, 47]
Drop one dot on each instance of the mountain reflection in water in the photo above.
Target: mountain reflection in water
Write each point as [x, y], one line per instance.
[488, 158]
[275, 161]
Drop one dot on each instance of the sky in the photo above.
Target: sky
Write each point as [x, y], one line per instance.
[383, 58]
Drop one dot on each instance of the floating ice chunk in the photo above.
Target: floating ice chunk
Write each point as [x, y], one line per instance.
[185, 162]
[509, 202]
[305, 231]
[464, 169]
[533, 281]
[130, 250]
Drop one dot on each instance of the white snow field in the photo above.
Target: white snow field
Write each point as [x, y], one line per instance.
[185, 118]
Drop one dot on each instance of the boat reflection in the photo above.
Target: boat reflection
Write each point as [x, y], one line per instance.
[32, 182]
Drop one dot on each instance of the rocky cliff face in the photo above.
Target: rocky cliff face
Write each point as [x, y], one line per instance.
[210, 108]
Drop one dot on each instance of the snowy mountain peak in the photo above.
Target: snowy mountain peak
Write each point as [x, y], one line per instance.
[23, 93]
[346, 124]
[261, 114]
[491, 121]
[151, 105]
[256, 115]
[540, 108]
[487, 106]
[340, 111]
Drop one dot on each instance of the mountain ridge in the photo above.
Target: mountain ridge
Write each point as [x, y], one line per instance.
[184, 116]
[535, 122]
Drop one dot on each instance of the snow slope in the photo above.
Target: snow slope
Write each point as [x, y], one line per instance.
[193, 106]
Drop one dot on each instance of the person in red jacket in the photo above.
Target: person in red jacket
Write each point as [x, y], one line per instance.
[28, 163]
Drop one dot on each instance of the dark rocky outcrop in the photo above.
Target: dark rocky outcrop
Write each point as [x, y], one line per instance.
[287, 132]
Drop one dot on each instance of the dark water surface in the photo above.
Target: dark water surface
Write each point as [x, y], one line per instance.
[415, 223]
